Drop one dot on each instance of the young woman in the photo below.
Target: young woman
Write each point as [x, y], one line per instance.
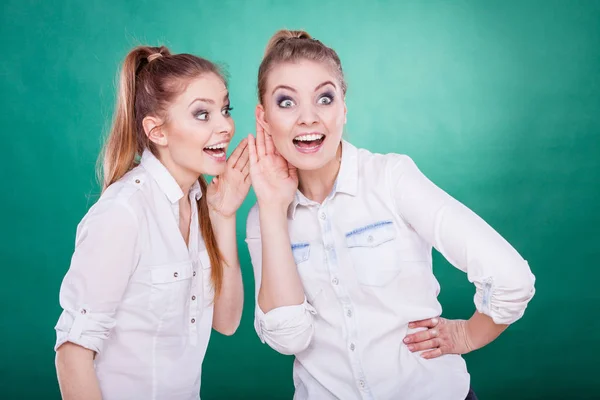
[341, 241]
[155, 265]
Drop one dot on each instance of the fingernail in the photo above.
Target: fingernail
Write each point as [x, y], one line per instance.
[407, 340]
[411, 347]
[434, 332]
[411, 325]
[424, 356]
[434, 321]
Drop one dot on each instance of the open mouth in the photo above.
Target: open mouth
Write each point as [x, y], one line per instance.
[217, 151]
[309, 143]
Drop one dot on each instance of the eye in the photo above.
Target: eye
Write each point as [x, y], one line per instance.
[201, 115]
[227, 111]
[325, 99]
[285, 102]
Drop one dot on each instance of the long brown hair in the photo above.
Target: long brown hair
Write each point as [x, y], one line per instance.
[150, 78]
[292, 46]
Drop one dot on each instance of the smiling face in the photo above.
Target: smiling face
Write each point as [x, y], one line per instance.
[303, 109]
[197, 129]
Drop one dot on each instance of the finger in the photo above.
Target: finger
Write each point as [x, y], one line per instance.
[253, 156]
[432, 354]
[237, 153]
[426, 345]
[424, 323]
[421, 336]
[260, 140]
[243, 159]
[293, 172]
[269, 145]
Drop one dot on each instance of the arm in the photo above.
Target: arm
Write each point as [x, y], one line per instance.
[287, 328]
[503, 280]
[230, 302]
[76, 375]
[106, 253]
[225, 195]
[283, 318]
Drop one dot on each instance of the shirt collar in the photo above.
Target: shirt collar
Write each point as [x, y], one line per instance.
[167, 184]
[346, 181]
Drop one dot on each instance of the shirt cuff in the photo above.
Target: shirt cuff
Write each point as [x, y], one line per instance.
[84, 328]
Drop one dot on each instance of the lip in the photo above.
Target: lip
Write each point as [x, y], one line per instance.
[310, 150]
[219, 159]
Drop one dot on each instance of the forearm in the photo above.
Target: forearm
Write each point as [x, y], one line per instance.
[280, 282]
[229, 303]
[481, 330]
[76, 374]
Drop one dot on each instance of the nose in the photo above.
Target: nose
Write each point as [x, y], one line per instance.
[308, 116]
[225, 126]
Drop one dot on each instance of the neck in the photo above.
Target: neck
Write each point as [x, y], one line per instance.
[317, 184]
[184, 177]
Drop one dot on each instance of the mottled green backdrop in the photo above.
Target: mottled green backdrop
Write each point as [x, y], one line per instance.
[497, 101]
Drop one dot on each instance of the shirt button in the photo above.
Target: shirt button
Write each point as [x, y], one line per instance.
[349, 313]
[137, 181]
[175, 274]
[194, 273]
[193, 297]
[335, 281]
[322, 216]
[361, 383]
[329, 247]
[193, 320]
[83, 311]
[370, 239]
[352, 346]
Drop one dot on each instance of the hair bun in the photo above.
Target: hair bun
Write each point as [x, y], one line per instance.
[154, 56]
[283, 36]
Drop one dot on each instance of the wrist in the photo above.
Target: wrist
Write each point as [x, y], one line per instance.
[220, 217]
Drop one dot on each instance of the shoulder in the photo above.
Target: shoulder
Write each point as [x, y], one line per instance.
[384, 164]
[119, 204]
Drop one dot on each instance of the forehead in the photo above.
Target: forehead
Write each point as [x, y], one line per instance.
[301, 75]
[207, 86]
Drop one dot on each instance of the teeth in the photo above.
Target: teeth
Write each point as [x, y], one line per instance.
[217, 146]
[309, 138]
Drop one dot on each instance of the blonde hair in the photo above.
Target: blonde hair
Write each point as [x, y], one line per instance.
[292, 46]
[150, 78]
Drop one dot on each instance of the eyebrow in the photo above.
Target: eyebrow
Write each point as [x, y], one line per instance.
[294, 90]
[209, 101]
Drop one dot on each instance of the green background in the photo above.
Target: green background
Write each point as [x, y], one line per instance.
[498, 102]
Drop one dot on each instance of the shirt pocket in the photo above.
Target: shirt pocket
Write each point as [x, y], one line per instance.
[208, 290]
[170, 288]
[374, 253]
[306, 270]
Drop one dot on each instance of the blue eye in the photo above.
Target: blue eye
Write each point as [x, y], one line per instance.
[227, 111]
[201, 115]
[285, 102]
[325, 99]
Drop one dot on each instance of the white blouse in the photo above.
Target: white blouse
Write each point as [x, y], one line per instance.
[364, 258]
[135, 293]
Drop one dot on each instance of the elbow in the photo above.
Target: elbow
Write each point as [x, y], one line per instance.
[288, 338]
[227, 329]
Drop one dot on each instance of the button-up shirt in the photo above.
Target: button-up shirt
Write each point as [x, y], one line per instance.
[135, 293]
[364, 256]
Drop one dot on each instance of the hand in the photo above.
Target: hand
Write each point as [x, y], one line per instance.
[227, 191]
[275, 181]
[442, 336]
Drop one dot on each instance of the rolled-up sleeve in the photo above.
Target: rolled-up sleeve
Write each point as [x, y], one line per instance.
[106, 253]
[503, 280]
[289, 329]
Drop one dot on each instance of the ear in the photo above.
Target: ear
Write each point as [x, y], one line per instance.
[260, 117]
[345, 111]
[153, 129]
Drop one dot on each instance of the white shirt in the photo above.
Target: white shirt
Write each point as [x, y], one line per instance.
[364, 258]
[135, 293]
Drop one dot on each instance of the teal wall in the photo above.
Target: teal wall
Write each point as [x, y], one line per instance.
[498, 102]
